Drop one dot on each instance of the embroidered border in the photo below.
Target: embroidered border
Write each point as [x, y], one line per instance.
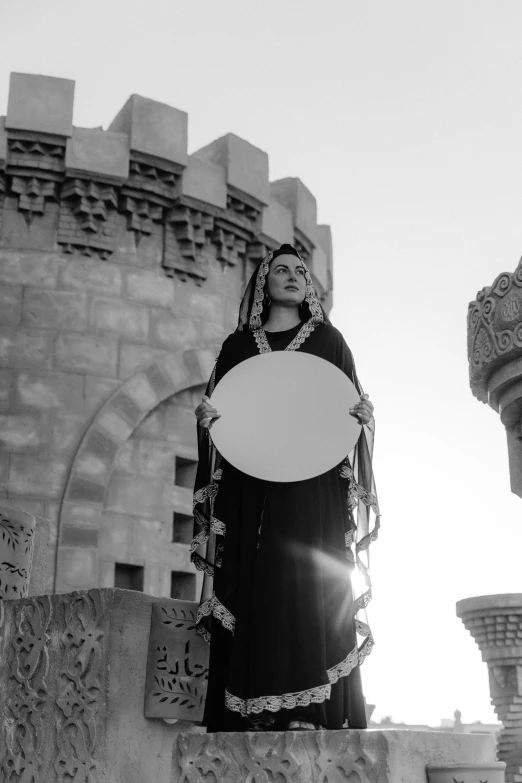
[201, 564]
[357, 492]
[198, 540]
[349, 537]
[305, 331]
[289, 701]
[205, 493]
[218, 527]
[202, 631]
[214, 607]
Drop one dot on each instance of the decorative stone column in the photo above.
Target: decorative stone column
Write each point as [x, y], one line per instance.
[495, 359]
[495, 622]
[17, 529]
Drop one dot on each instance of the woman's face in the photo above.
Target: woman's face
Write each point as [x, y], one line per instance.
[286, 280]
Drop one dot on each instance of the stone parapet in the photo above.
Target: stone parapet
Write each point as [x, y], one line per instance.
[325, 756]
[495, 623]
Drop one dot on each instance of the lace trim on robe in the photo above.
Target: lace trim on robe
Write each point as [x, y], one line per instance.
[218, 527]
[305, 331]
[205, 493]
[290, 701]
[357, 492]
[201, 564]
[214, 607]
[198, 540]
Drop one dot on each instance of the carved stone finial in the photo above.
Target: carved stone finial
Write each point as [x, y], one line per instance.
[495, 358]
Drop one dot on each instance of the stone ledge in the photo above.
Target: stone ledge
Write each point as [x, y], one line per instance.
[323, 756]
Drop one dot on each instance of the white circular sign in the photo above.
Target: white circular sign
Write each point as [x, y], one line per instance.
[284, 416]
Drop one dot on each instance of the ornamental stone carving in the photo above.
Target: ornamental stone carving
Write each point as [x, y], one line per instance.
[324, 756]
[495, 359]
[177, 665]
[88, 218]
[32, 194]
[17, 534]
[494, 329]
[72, 685]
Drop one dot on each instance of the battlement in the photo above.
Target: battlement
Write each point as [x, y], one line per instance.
[76, 189]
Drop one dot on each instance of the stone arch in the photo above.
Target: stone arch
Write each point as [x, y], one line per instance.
[93, 464]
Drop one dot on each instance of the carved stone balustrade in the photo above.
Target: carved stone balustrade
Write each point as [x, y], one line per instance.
[495, 622]
[495, 359]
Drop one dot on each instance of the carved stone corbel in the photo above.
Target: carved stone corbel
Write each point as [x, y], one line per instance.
[35, 169]
[188, 230]
[149, 192]
[88, 217]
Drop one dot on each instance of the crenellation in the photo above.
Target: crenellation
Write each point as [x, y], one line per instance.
[42, 104]
[204, 182]
[154, 129]
[296, 197]
[214, 203]
[105, 154]
[246, 166]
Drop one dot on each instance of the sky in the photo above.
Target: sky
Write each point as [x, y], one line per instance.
[404, 119]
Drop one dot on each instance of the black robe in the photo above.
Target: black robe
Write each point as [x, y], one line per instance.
[282, 573]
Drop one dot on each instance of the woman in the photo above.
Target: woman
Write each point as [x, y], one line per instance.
[277, 601]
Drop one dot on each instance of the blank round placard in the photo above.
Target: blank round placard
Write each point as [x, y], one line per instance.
[284, 416]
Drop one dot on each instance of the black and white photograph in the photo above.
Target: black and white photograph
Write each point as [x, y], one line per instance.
[261, 391]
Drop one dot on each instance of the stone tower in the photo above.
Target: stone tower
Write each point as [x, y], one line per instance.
[122, 263]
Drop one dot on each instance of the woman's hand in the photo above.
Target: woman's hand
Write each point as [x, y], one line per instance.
[206, 414]
[363, 411]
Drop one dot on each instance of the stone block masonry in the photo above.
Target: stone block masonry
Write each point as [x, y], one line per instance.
[122, 264]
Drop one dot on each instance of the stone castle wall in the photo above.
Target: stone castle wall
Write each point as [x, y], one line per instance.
[122, 262]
